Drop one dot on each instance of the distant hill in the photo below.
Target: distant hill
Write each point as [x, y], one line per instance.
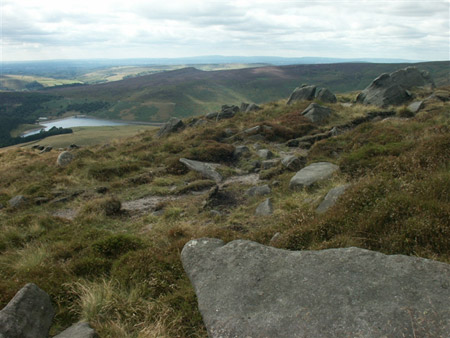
[74, 68]
[189, 91]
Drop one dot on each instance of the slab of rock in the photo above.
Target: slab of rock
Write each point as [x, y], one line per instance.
[331, 198]
[245, 289]
[258, 191]
[293, 163]
[17, 201]
[227, 112]
[325, 95]
[415, 107]
[28, 315]
[64, 158]
[316, 113]
[78, 330]
[392, 89]
[205, 169]
[303, 93]
[265, 208]
[311, 174]
[171, 126]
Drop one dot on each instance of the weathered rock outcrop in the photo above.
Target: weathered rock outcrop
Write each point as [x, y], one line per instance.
[226, 112]
[303, 93]
[28, 315]
[171, 126]
[325, 95]
[205, 169]
[245, 289]
[78, 330]
[311, 174]
[316, 113]
[331, 198]
[392, 89]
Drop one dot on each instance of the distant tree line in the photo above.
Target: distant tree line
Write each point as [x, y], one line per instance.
[21, 108]
[42, 134]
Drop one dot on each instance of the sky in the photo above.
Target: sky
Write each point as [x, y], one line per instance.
[83, 29]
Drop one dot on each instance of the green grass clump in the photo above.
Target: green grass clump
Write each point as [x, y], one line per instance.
[159, 273]
[211, 151]
[116, 245]
[104, 172]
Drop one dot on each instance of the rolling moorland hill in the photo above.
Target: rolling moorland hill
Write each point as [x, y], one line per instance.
[188, 92]
[102, 232]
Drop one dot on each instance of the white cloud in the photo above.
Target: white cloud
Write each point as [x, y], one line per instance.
[85, 28]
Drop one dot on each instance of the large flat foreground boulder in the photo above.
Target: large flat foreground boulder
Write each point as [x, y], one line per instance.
[28, 315]
[246, 289]
[312, 174]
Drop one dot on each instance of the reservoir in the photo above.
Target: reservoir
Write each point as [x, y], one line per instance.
[73, 121]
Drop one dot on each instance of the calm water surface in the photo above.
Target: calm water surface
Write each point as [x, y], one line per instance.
[73, 121]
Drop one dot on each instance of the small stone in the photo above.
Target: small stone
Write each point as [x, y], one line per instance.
[212, 115]
[171, 126]
[331, 198]
[415, 107]
[316, 113]
[293, 163]
[267, 164]
[64, 159]
[252, 130]
[311, 174]
[205, 169]
[17, 201]
[252, 107]
[265, 208]
[241, 151]
[78, 330]
[275, 238]
[265, 154]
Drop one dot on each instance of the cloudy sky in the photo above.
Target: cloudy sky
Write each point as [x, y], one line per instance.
[79, 29]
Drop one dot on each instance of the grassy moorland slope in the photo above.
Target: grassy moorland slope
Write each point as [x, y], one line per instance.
[189, 91]
[103, 235]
